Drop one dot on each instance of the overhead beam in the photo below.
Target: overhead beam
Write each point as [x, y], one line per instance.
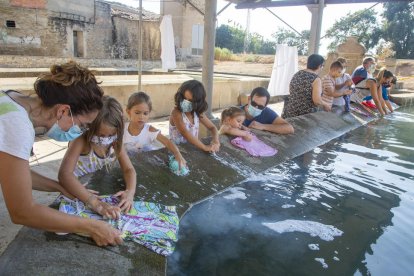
[289, 3]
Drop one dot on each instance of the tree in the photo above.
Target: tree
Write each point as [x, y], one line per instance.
[284, 36]
[230, 37]
[398, 27]
[362, 24]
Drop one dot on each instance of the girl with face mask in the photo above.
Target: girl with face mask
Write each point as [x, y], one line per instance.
[188, 113]
[98, 149]
[66, 100]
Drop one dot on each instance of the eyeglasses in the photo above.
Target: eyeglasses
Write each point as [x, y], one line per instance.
[83, 126]
[258, 106]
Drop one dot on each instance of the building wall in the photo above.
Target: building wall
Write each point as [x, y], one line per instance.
[184, 16]
[125, 35]
[47, 29]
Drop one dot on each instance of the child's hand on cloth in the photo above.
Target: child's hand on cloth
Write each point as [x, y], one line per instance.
[248, 136]
[181, 162]
[104, 209]
[127, 200]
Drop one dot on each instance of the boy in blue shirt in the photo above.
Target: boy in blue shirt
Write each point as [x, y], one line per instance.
[259, 116]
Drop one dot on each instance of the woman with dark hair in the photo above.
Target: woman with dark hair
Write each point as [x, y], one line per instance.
[305, 90]
[67, 100]
[188, 113]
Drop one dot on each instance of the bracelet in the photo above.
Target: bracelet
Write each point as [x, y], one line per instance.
[88, 202]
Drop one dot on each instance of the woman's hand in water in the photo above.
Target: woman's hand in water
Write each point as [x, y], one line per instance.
[104, 209]
[104, 234]
[126, 200]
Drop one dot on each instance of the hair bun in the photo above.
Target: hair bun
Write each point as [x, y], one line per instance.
[56, 68]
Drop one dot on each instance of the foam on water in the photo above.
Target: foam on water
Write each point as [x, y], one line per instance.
[322, 261]
[313, 246]
[313, 228]
[236, 193]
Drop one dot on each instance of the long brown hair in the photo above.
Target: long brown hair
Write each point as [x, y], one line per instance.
[111, 114]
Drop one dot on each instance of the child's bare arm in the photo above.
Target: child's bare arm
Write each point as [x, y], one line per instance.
[71, 183]
[130, 177]
[214, 132]
[173, 148]
[66, 177]
[236, 132]
[177, 119]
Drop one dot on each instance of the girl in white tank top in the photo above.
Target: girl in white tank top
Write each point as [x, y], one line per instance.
[138, 135]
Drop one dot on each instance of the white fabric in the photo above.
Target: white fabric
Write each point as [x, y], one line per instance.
[16, 130]
[341, 80]
[285, 66]
[167, 43]
[140, 142]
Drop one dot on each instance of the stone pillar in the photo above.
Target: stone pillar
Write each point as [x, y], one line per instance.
[316, 26]
[208, 51]
[353, 51]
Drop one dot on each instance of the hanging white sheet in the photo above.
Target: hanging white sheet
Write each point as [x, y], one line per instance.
[285, 66]
[167, 43]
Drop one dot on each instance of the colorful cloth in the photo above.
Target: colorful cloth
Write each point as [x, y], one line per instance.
[152, 225]
[177, 137]
[255, 147]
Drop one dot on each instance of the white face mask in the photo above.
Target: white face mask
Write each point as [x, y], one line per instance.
[343, 71]
[371, 68]
[104, 141]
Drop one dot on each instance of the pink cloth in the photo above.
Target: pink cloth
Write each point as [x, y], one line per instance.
[255, 147]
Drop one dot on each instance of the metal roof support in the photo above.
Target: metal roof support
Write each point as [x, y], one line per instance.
[140, 47]
[208, 51]
[316, 26]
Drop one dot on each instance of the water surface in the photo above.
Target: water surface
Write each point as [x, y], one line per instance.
[344, 208]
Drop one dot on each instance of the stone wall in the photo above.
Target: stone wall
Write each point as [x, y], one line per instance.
[125, 35]
[76, 29]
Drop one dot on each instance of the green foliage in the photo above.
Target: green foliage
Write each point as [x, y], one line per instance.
[398, 27]
[290, 38]
[362, 24]
[223, 54]
[232, 37]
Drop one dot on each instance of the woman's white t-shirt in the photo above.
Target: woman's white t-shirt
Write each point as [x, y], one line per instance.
[16, 130]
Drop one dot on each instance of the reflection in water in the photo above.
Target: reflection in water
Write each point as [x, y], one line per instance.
[343, 208]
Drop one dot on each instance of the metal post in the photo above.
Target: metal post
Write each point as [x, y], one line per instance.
[140, 46]
[316, 26]
[208, 51]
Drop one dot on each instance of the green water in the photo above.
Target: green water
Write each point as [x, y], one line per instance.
[345, 208]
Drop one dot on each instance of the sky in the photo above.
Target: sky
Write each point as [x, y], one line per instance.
[265, 23]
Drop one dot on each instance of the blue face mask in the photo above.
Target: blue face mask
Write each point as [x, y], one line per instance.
[186, 106]
[56, 133]
[253, 111]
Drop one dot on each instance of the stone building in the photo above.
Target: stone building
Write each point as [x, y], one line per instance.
[188, 25]
[76, 28]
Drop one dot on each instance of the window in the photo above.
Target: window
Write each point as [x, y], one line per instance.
[11, 23]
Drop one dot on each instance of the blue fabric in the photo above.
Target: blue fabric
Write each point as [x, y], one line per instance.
[359, 74]
[384, 94]
[266, 117]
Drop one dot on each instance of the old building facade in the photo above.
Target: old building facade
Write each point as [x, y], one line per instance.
[76, 28]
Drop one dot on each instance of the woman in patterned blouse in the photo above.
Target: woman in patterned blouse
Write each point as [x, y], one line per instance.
[305, 90]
